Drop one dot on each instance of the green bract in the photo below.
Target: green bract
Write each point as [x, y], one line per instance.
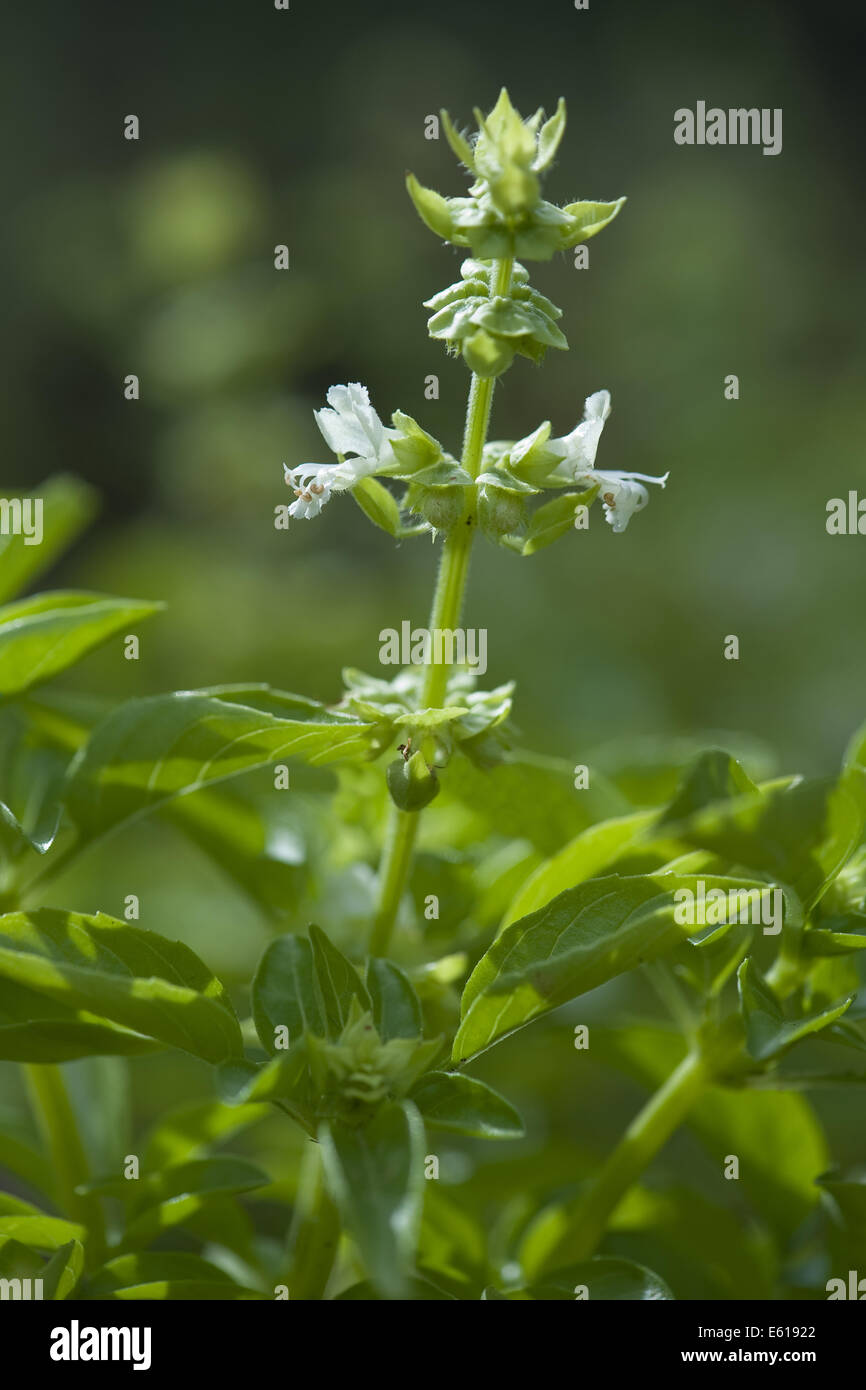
[505, 215]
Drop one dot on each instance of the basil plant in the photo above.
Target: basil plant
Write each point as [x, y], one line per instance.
[430, 887]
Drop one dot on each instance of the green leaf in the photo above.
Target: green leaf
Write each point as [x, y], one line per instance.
[396, 1007]
[131, 977]
[549, 137]
[37, 1029]
[465, 1106]
[715, 776]
[768, 1031]
[279, 1080]
[182, 1207]
[832, 943]
[800, 834]
[63, 1271]
[434, 210]
[586, 220]
[165, 1275]
[587, 935]
[584, 857]
[221, 1176]
[40, 1232]
[41, 636]
[19, 1262]
[49, 1040]
[16, 1206]
[459, 144]
[339, 982]
[68, 505]
[377, 503]
[186, 1131]
[148, 751]
[376, 1176]
[602, 1277]
[286, 993]
[553, 519]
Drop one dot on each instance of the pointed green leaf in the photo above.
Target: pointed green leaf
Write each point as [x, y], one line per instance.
[63, 1271]
[185, 1131]
[768, 1031]
[41, 636]
[583, 937]
[286, 993]
[224, 1175]
[584, 857]
[555, 518]
[549, 137]
[166, 1275]
[40, 1232]
[148, 751]
[586, 220]
[434, 210]
[338, 980]
[800, 834]
[465, 1105]
[377, 503]
[396, 1007]
[68, 505]
[715, 776]
[376, 1175]
[132, 978]
[587, 935]
[459, 144]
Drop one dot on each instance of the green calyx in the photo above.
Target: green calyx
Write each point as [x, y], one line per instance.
[505, 215]
[489, 328]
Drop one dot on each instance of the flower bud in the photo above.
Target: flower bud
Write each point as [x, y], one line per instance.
[411, 783]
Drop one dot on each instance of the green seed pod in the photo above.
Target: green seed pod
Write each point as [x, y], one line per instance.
[411, 783]
[443, 507]
[500, 511]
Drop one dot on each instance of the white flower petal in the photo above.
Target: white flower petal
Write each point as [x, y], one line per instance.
[350, 425]
[580, 447]
[622, 494]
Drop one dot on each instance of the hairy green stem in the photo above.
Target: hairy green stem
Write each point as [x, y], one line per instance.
[56, 1120]
[648, 1132]
[444, 615]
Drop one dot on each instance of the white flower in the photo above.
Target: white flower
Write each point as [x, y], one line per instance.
[352, 426]
[621, 493]
[581, 446]
[349, 425]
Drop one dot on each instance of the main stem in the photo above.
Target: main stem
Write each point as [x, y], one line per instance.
[648, 1132]
[444, 615]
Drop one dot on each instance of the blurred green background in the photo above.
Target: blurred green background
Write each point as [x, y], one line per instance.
[261, 127]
